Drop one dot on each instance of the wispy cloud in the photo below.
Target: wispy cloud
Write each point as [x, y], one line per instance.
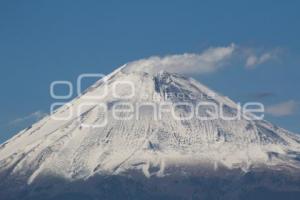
[286, 108]
[35, 116]
[255, 59]
[208, 61]
[261, 95]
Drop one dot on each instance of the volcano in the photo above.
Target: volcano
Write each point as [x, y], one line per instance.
[131, 135]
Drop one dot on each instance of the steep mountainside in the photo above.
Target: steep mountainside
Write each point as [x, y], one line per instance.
[145, 138]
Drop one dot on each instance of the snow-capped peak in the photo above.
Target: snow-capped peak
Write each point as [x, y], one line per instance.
[144, 136]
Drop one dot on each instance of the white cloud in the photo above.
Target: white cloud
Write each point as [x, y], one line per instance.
[283, 109]
[208, 61]
[253, 60]
[35, 116]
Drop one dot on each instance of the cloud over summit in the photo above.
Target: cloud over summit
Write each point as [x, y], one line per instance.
[208, 61]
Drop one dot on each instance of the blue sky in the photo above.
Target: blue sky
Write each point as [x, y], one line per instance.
[43, 41]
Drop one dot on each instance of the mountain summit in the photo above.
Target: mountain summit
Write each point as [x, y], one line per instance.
[148, 126]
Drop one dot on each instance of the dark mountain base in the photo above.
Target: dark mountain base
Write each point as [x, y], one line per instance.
[231, 185]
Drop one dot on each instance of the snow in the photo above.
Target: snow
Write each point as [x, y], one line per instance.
[72, 150]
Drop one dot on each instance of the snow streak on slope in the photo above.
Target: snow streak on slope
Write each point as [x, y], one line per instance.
[70, 149]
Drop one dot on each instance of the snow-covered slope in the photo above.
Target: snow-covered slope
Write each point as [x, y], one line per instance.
[80, 147]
